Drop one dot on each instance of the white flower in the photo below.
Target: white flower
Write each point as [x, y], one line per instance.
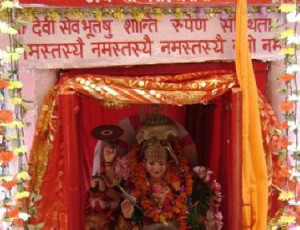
[293, 97]
[24, 216]
[294, 202]
[293, 17]
[293, 125]
[19, 50]
[17, 5]
[293, 40]
[293, 148]
[295, 174]
[3, 26]
[3, 55]
[291, 69]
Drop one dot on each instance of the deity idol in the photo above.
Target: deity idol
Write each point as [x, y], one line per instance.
[159, 187]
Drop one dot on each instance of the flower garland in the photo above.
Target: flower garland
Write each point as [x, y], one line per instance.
[289, 217]
[179, 209]
[138, 13]
[14, 177]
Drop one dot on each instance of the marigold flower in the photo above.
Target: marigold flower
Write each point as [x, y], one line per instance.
[6, 116]
[9, 184]
[286, 105]
[284, 125]
[286, 77]
[6, 156]
[286, 143]
[13, 212]
[3, 84]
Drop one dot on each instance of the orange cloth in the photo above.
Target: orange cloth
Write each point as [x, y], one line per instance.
[254, 169]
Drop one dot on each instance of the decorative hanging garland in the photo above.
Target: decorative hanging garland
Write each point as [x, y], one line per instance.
[119, 13]
[16, 206]
[290, 152]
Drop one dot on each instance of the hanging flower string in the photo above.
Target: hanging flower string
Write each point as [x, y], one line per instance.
[290, 152]
[138, 13]
[14, 202]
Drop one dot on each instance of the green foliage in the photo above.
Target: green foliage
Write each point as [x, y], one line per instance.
[200, 198]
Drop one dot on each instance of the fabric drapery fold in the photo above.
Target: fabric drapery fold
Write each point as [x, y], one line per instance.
[254, 169]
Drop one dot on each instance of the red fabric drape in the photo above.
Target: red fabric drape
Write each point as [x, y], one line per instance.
[210, 127]
[199, 123]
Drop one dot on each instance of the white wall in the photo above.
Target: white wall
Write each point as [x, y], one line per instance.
[36, 84]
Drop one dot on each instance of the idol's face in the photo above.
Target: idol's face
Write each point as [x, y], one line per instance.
[156, 168]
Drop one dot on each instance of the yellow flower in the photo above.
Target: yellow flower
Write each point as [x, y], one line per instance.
[178, 13]
[158, 14]
[118, 14]
[23, 176]
[286, 195]
[6, 5]
[162, 218]
[98, 14]
[139, 16]
[54, 15]
[286, 8]
[14, 56]
[21, 195]
[16, 100]
[286, 33]
[287, 51]
[15, 85]
[20, 150]
[287, 220]
[19, 124]
[6, 178]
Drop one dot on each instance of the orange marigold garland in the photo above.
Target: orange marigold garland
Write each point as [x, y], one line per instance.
[179, 208]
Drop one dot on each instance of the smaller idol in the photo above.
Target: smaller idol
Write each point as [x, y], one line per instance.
[103, 198]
